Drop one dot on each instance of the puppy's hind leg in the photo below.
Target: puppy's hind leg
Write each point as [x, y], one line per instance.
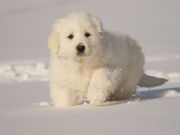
[103, 83]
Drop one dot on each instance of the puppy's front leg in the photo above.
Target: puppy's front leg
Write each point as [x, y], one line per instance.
[63, 97]
[103, 83]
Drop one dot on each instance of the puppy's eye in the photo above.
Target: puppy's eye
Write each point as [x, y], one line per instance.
[71, 36]
[87, 34]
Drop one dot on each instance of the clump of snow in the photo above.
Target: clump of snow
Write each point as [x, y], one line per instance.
[24, 71]
[171, 93]
[42, 103]
[174, 77]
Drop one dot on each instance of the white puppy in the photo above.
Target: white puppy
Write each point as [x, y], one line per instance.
[87, 61]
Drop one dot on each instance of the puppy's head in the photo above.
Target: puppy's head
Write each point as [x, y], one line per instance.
[78, 35]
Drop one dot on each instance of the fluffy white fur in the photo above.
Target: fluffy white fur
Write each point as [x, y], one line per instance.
[109, 69]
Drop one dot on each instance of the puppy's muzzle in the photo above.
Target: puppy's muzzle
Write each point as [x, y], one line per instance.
[80, 48]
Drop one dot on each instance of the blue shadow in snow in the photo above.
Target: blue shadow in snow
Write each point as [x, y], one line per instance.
[155, 93]
[146, 95]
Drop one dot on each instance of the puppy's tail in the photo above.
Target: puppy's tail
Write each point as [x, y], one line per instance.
[151, 81]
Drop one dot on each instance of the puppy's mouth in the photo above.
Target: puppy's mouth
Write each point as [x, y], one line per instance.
[84, 54]
[81, 54]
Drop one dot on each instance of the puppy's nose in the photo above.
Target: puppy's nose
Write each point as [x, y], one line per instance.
[80, 48]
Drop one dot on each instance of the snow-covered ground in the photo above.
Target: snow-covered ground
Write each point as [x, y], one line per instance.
[25, 106]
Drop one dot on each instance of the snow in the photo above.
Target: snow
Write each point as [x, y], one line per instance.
[25, 106]
[23, 71]
[171, 93]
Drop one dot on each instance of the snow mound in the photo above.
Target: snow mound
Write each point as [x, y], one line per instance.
[23, 71]
[171, 93]
[43, 104]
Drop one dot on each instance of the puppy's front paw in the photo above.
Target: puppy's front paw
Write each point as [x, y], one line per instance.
[96, 98]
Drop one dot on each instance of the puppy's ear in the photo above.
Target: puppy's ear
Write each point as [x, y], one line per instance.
[53, 42]
[97, 24]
